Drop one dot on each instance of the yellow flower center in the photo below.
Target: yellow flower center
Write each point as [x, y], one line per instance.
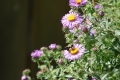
[71, 17]
[74, 51]
[78, 1]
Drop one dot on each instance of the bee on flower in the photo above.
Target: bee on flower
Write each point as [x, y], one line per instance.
[75, 52]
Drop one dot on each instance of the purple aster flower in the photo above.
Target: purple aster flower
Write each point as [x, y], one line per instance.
[77, 3]
[53, 46]
[98, 6]
[71, 20]
[75, 52]
[24, 77]
[36, 54]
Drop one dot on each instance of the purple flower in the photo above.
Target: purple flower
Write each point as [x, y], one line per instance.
[77, 3]
[92, 32]
[98, 6]
[75, 52]
[24, 77]
[71, 20]
[53, 46]
[36, 54]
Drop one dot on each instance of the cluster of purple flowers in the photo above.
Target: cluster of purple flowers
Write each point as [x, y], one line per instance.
[38, 53]
[73, 21]
[77, 25]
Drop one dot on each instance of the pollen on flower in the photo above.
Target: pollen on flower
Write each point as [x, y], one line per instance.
[74, 51]
[78, 1]
[71, 17]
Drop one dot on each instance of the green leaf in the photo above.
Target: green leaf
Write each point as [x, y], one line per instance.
[103, 78]
[69, 76]
[117, 32]
[96, 76]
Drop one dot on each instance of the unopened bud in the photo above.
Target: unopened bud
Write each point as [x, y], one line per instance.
[101, 13]
[24, 77]
[44, 69]
[84, 29]
[43, 48]
[60, 61]
[94, 49]
[26, 71]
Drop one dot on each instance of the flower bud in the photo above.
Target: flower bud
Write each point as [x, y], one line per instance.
[98, 6]
[26, 71]
[43, 48]
[39, 72]
[101, 13]
[75, 41]
[52, 46]
[92, 33]
[24, 77]
[44, 69]
[59, 47]
[94, 49]
[93, 79]
[59, 61]
[84, 29]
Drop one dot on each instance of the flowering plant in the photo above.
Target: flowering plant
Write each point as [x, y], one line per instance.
[92, 31]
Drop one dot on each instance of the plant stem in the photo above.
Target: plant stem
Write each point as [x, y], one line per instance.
[93, 2]
[38, 64]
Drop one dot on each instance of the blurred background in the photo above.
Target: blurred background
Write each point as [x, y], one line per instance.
[26, 25]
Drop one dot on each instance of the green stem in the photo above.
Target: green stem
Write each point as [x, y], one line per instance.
[41, 78]
[48, 62]
[38, 64]
[93, 2]
[83, 11]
